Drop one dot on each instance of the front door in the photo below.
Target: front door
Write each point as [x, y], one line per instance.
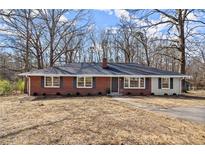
[115, 84]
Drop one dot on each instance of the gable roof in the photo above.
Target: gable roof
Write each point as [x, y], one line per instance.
[95, 69]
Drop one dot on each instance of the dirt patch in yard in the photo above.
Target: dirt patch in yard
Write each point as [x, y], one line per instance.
[89, 120]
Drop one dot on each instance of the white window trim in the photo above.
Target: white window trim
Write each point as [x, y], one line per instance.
[52, 86]
[84, 82]
[168, 83]
[134, 87]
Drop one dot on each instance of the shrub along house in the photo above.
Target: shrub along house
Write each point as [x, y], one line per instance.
[103, 78]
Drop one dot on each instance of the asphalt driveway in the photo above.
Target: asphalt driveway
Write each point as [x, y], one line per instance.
[192, 113]
[196, 113]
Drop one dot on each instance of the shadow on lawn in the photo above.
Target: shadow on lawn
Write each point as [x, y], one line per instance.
[33, 127]
[61, 97]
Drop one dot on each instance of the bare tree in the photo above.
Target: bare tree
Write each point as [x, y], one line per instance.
[177, 24]
[18, 31]
[61, 30]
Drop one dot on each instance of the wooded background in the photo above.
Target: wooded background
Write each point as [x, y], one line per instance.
[171, 40]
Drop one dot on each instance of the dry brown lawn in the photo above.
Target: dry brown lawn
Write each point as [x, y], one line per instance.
[192, 98]
[196, 93]
[90, 120]
[167, 101]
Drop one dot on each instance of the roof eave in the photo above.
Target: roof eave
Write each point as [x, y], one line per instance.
[103, 75]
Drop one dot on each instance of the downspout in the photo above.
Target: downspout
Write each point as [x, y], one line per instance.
[118, 85]
[110, 85]
[29, 86]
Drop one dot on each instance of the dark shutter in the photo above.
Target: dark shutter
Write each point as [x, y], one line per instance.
[121, 83]
[61, 82]
[159, 83]
[171, 83]
[147, 83]
[74, 82]
[42, 81]
[94, 82]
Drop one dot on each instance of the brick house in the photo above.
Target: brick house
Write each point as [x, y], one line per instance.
[102, 79]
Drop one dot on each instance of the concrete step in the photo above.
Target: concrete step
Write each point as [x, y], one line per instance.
[114, 94]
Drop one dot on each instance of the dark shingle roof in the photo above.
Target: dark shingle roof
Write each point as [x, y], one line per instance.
[114, 69]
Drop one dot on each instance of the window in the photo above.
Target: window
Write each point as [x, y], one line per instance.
[84, 82]
[48, 81]
[126, 82]
[56, 81]
[165, 83]
[81, 82]
[134, 83]
[52, 81]
[88, 82]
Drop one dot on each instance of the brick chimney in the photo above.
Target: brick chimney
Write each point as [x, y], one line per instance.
[104, 63]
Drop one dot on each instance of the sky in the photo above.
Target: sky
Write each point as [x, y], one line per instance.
[107, 18]
[110, 18]
[104, 19]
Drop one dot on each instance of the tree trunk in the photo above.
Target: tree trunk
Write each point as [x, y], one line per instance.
[52, 33]
[51, 51]
[147, 56]
[181, 40]
[27, 47]
[127, 57]
[39, 61]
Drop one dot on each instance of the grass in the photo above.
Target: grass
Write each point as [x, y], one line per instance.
[168, 101]
[196, 93]
[192, 98]
[89, 120]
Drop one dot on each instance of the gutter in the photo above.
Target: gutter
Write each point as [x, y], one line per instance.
[102, 75]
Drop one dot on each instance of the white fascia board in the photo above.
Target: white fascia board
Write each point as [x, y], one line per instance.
[102, 75]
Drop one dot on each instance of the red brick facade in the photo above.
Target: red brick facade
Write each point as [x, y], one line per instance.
[102, 84]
